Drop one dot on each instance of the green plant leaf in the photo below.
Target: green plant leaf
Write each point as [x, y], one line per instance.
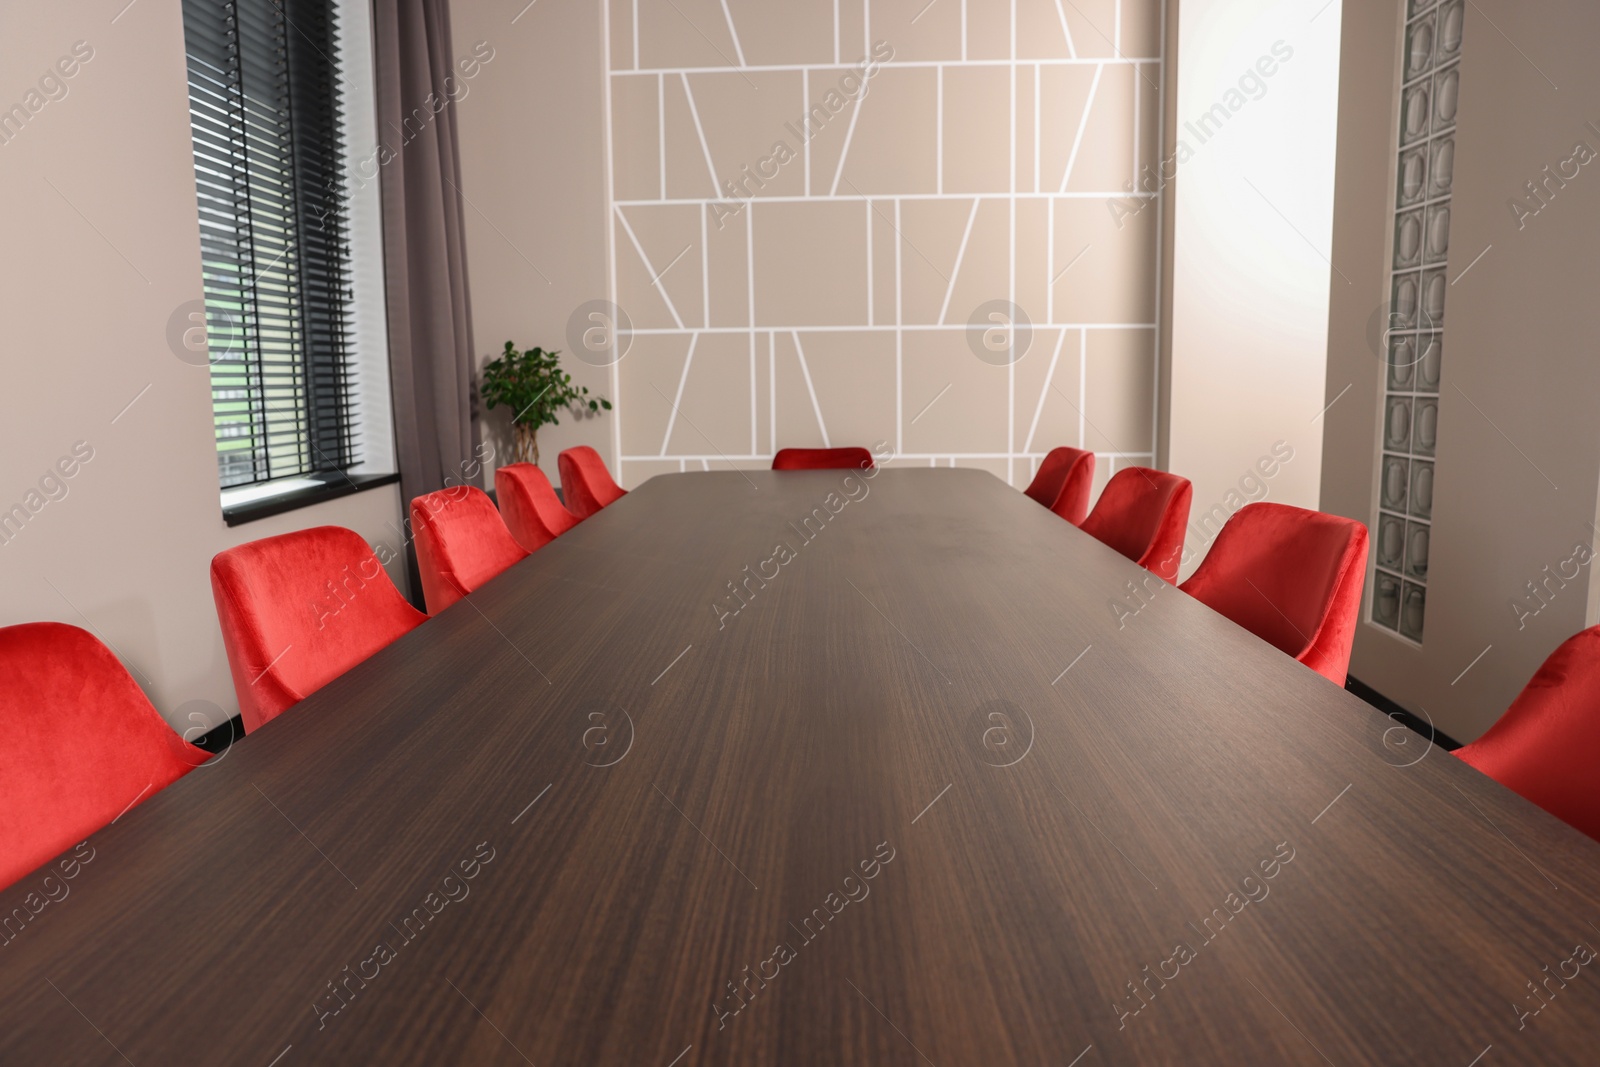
[533, 384]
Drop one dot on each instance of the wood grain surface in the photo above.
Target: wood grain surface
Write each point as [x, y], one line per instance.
[928, 797]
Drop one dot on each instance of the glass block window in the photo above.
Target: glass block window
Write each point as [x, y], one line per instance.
[1414, 340]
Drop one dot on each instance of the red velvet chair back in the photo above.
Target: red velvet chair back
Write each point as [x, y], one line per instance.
[461, 543]
[529, 505]
[79, 743]
[1293, 578]
[300, 609]
[821, 459]
[1063, 482]
[1546, 746]
[586, 485]
[1142, 514]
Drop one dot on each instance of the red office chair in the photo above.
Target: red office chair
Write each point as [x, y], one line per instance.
[79, 743]
[461, 543]
[586, 485]
[300, 609]
[1142, 513]
[1293, 578]
[1546, 746]
[531, 510]
[1063, 482]
[821, 459]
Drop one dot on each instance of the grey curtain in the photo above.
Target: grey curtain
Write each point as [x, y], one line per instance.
[431, 353]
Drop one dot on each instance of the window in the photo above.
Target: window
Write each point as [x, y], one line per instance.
[265, 106]
[1430, 54]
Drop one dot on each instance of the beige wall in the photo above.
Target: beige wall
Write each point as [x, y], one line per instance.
[101, 245]
[1253, 154]
[1518, 466]
[810, 320]
[532, 131]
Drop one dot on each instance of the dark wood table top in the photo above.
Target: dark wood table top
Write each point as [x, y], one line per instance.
[927, 798]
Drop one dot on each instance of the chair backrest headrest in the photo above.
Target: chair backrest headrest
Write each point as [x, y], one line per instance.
[529, 505]
[79, 743]
[299, 609]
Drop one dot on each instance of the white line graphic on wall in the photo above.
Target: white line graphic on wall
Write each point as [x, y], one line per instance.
[805, 269]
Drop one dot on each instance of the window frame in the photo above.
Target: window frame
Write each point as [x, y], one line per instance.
[300, 383]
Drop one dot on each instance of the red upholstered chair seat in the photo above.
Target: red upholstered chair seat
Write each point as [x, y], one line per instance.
[1142, 514]
[1063, 481]
[819, 459]
[1546, 746]
[529, 505]
[300, 609]
[586, 485]
[1293, 578]
[461, 543]
[80, 743]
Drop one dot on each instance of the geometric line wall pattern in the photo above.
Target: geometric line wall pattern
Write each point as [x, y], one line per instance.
[809, 200]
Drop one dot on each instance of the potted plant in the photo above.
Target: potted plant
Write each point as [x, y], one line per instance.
[535, 387]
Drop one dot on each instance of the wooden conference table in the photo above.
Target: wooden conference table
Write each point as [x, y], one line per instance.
[926, 798]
